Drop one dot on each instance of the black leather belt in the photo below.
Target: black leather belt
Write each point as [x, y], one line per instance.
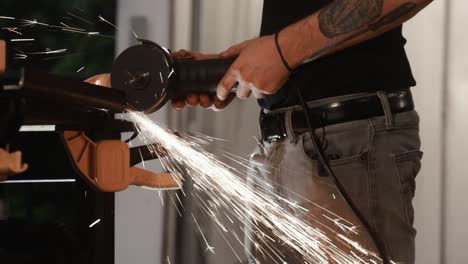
[273, 127]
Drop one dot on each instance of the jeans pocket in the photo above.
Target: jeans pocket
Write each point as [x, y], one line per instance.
[408, 165]
[350, 165]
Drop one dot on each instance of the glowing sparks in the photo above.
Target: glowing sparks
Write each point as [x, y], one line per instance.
[47, 52]
[22, 40]
[13, 30]
[208, 247]
[107, 22]
[72, 28]
[20, 56]
[101, 18]
[79, 18]
[7, 17]
[34, 22]
[94, 223]
[80, 69]
[219, 187]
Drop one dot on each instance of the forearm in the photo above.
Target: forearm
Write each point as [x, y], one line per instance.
[344, 23]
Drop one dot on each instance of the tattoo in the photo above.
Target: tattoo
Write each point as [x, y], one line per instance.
[391, 17]
[345, 16]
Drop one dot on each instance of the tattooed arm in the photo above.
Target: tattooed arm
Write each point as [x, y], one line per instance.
[340, 24]
[344, 23]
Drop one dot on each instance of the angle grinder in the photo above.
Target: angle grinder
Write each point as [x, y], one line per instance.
[150, 76]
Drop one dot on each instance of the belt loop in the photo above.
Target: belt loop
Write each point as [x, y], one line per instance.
[289, 126]
[387, 110]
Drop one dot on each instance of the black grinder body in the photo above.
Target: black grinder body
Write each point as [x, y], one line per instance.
[150, 76]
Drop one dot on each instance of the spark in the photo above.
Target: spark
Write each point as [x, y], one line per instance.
[175, 205]
[94, 223]
[91, 33]
[135, 34]
[20, 56]
[224, 188]
[337, 222]
[22, 40]
[80, 69]
[74, 28]
[107, 22]
[101, 18]
[7, 17]
[13, 30]
[180, 202]
[80, 18]
[161, 197]
[49, 52]
[29, 23]
[208, 247]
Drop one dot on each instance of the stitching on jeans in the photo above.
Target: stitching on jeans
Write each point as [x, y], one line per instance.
[402, 191]
[371, 180]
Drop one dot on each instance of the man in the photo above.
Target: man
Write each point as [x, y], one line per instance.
[346, 59]
[342, 56]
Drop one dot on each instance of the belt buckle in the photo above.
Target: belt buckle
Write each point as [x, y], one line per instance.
[272, 127]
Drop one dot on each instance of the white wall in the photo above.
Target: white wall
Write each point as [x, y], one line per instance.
[457, 127]
[139, 212]
[426, 53]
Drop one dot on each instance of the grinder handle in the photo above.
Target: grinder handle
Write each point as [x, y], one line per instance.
[199, 76]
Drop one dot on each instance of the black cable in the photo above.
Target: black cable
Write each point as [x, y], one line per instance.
[320, 157]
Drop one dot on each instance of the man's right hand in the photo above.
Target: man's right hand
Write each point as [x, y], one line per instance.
[204, 100]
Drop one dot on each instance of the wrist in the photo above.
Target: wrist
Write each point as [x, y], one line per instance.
[294, 45]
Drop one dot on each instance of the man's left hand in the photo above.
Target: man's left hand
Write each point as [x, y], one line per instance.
[258, 69]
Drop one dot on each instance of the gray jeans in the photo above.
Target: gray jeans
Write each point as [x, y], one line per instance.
[376, 160]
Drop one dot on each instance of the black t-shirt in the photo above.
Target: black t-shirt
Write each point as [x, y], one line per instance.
[378, 64]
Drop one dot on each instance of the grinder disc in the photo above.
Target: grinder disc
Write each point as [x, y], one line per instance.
[143, 72]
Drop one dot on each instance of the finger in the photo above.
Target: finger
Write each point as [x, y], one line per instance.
[205, 100]
[178, 104]
[192, 100]
[226, 84]
[218, 104]
[201, 56]
[257, 93]
[243, 90]
[231, 52]
[182, 54]
[234, 50]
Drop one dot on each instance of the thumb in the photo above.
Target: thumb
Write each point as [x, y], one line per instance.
[235, 50]
[231, 52]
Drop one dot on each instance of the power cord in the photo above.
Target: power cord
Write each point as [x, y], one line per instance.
[320, 157]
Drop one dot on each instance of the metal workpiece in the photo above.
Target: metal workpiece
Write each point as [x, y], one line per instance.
[48, 87]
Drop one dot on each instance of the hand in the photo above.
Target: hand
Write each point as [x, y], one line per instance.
[205, 100]
[258, 69]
